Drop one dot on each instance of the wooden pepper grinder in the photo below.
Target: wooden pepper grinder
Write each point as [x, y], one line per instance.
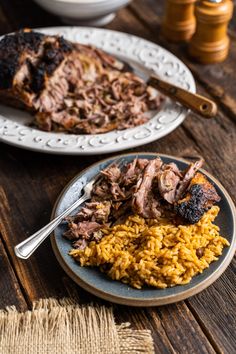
[210, 43]
[179, 21]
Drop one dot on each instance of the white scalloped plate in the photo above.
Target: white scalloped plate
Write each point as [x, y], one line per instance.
[14, 124]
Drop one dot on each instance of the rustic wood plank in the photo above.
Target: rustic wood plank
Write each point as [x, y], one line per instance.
[28, 216]
[179, 318]
[11, 293]
[215, 311]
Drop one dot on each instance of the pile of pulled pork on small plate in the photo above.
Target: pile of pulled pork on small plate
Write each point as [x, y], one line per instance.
[149, 188]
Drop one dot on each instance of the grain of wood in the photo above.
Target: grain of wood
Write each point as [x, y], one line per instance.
[28, 209]
[11, 293]
[181, 326]
[215, 311]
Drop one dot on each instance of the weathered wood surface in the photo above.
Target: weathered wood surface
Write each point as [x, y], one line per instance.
[30, 183]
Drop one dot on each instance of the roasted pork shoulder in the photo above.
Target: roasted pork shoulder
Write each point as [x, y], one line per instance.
[71, 87]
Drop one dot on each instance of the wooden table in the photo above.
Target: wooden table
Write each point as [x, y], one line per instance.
[31, 182]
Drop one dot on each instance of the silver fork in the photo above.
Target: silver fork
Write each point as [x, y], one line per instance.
[27, 247]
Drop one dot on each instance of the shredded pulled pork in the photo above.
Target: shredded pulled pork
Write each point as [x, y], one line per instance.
[149, 188]
[102, 102]
[71, 87]
[144, 202]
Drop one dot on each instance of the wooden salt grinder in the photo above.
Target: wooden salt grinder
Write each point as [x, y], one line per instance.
[210, 43]
[179, 21]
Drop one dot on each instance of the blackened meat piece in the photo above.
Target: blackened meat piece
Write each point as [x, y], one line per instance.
[200, 197]
[12, 50]
[31, 71]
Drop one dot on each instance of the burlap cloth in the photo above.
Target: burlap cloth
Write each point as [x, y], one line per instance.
[64, 327]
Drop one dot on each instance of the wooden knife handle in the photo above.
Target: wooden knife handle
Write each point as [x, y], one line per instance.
[197, 103]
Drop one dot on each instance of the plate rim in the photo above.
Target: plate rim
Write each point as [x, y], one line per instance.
[43, 142]
[173, 298]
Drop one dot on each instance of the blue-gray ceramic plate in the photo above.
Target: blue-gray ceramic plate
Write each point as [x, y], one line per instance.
[97, 283]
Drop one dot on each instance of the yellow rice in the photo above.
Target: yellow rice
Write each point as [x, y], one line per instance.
[155, 252]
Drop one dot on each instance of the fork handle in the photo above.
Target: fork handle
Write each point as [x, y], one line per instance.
[27, 247]
[197, 103]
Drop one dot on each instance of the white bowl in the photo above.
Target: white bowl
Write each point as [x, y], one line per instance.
[84, 12]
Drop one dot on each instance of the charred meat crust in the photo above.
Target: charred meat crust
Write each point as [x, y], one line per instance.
[8, 68]
[20, 41]
[53, 55]
[192, 210]
[11, 48]
[200, 197]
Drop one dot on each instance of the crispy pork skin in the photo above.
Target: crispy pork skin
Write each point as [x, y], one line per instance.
[200, 197]
[28, 61]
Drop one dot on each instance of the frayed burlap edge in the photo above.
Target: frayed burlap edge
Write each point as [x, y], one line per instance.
[65, 327]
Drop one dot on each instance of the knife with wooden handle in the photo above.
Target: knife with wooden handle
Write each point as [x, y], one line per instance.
[197, 103]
